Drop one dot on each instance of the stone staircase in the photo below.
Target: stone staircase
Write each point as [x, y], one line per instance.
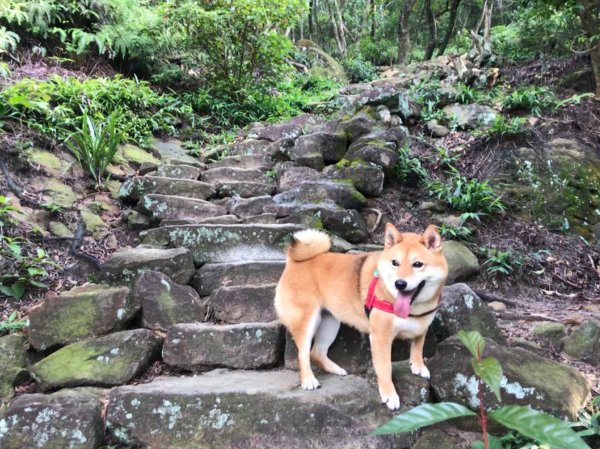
[197, 294]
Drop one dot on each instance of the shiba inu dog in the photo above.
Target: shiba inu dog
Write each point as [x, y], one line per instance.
[387, 294]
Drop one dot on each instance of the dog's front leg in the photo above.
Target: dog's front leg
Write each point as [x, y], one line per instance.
[417, 365]
[381, 350]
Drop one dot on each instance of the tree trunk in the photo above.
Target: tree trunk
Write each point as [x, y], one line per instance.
[335, 28]
[311, 19]
[451, 24]
[403, 32]
[483, 45]
[341, 27]
[589, 14]
[431, 21]
[373, 10]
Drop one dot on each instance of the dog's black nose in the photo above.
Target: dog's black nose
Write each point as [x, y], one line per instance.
[401, 284]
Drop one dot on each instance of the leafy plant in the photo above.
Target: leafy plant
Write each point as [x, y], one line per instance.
[466, 94]
[531, 423]
[12, 324]
[589, 420]
[96, 144]
[532, 98]
[359, 70]
[407, 166]
[503, 262]
[503, 127]
[467, 195]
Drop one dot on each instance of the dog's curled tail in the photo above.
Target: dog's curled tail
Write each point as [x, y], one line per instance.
[308, 244]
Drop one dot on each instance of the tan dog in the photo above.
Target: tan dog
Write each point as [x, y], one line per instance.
[319, 289]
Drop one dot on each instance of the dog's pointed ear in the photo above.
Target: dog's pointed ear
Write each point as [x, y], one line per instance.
[432, 238]
[392, 236]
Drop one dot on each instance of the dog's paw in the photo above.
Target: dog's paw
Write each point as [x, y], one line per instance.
[340, 371]
[310, 383]
[420, 370]
[392, 401]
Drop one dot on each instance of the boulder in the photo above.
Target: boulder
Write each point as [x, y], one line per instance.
[224, 243]
[66, 419]
[436, 129]
[274, 133]
[314, 193]
[250, 147]
[136, 221]
[244, 304]
[239, 346]
[135, 188]
[172, 152]
[168, 207]
[550, 335]
[165, 303]
[470, 116]
[395, 99]
[106, 361]
[352, 350]
[462, 309]
[244, 207]
[289, 176]
[332, 147]
[235, 409]
[13, 365]
[356, 127]
[245, 161]
[528, 380]
[221, 175]
[366, 177]
[244, 189]
[213, 276]
[179, 172]
[126, 264]
[83, 312]
[584, 342]
[260, 219]
[462, 263]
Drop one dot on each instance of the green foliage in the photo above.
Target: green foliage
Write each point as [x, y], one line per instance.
[237, 43]
[529, 98]
[408, 167]
[379, 52]
[502, 262]
[54, 107]
[466, 94]
[12, 324]
[95, 144]
[505, 128]
[531, 423]
[422, 416]
[589, 419]
[467, 195]
[359, 70]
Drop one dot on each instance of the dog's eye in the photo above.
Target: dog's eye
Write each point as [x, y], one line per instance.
[395, 263]
[417, 264]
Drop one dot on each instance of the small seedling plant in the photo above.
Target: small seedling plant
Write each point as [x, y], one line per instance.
[540, 427]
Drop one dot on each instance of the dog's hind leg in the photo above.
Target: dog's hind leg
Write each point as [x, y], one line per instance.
[302, 330]
[324, 336]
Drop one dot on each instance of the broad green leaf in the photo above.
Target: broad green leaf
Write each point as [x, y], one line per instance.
[423, 415]
[539, 426]
[495, 443]
[490, 371]
[473, 341]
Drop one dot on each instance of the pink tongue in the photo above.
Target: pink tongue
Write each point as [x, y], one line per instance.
[402, 304]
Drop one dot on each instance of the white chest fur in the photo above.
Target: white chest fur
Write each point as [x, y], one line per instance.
[408, 328]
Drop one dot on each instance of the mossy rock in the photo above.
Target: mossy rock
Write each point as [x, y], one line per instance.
[321, 63]
[49, 162]
[13, 365]
[59, 229]
[60, 194]
[93, 223]
[550, 334]
[462, 263]
[106, 361]
[131, 154]
[584, 342]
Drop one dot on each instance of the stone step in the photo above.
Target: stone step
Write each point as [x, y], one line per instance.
[178, 172]
[219, 219]
[225, 409]
[213, 276]
[221, 175]
[243, 304]
[225, 243]
[239, 346]
[125, 265]
[244, 207]
[170, 207]
[246, 161]
[244, 189]
[172, 152]
[135, 188]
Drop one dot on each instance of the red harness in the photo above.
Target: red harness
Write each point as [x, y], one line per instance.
[373, 302]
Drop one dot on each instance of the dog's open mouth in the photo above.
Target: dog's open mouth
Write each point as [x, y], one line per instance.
[405, 299]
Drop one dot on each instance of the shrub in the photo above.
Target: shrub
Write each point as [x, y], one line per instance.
[95, 144]
[503, 127]
[408, 167]
[530, 98]
[380, 51]
[359, 70]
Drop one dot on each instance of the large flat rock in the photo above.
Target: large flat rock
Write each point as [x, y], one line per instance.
[83, 312]
[244, 304]
[126, 264]
[66, 419]
[13, 364]
[106, 361]
[251, 410]
[225, 243]
[168, 207]
[135, 188]
[216, 275]
[243, 346]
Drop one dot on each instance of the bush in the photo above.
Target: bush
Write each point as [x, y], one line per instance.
[530, 98]
[359, 70]
[380, 51]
